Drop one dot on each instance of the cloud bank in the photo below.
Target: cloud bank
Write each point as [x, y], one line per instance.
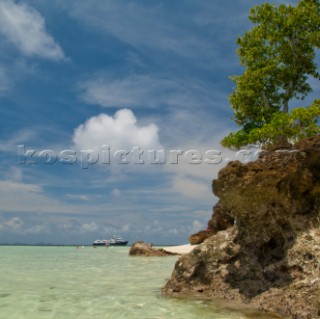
[121, 131]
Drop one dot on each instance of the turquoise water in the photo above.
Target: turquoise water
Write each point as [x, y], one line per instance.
[101, 283]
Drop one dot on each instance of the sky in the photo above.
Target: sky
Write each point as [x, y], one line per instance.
[111, 116]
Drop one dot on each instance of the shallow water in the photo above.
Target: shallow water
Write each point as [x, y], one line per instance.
[101, 283]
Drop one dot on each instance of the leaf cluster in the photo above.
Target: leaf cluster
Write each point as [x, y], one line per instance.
[295, 125]
[278, 55]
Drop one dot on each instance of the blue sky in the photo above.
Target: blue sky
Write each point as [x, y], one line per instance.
[76, 75]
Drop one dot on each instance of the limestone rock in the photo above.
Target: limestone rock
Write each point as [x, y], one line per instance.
[143, 249]
[270, 256]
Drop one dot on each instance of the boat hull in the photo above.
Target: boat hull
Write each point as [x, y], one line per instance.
[119, 244]
[114, 241]
[111, 244]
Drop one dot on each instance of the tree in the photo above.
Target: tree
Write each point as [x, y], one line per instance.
[278, 55]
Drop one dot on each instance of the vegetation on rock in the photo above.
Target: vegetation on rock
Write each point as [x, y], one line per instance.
[278, 55]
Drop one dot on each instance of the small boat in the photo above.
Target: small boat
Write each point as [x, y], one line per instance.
[114, 241]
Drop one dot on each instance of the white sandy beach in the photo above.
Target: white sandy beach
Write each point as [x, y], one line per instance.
[182, 249]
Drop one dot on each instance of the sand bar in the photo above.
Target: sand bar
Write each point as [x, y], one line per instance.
[182, 249]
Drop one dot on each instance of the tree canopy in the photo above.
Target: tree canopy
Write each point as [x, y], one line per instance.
[278, 55]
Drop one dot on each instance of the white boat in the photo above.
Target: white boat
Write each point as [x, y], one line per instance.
[114, 241]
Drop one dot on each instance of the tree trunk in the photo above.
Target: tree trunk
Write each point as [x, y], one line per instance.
[285, 107]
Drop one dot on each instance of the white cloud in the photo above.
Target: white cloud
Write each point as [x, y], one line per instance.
[143, 26]
[119, 132]
[11, 186]
[10, 144]
[193, 111]
[116, 193]
[24, 27]
[14, 223]
[192, 188]
[197, 226]
[37, 229]
[14, 173]
[132, 91]
[125, 228]
[89, 227]
[151, 90]
[23, 197]
[15, 70]
[77, 197]
[173, 231]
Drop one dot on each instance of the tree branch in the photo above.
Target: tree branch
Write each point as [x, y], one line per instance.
[265, 99]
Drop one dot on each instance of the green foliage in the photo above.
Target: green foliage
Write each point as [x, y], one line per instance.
[278, 56]
[295, 125]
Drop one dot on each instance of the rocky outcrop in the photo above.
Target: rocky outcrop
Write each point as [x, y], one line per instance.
[269, 257]
[141, 248]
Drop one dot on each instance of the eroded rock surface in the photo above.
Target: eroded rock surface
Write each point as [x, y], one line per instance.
[269, 257]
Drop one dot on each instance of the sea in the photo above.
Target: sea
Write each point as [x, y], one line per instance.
[38, 282]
